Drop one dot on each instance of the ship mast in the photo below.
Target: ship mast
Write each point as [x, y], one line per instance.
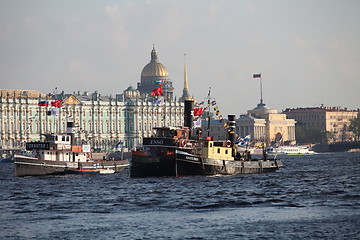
[208, 97]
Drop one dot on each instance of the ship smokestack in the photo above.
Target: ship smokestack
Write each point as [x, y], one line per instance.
[188, 118]
[232, 125]
[70, 129]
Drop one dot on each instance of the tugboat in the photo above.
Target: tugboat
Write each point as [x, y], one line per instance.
[59, 155]
[174, 152]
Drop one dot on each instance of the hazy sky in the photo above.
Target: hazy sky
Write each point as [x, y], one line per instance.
[307, 51]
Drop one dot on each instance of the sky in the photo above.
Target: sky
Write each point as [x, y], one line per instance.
[308, 52]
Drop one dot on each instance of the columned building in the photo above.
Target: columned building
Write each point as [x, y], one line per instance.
[147, 115]
[21, 119]
[101, 121]
[267, 126]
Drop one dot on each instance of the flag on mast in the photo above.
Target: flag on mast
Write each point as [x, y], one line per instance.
[197, 112]
[160, 101]
[257, 75]
[43, 103]
[56, 103]
[197, 123]
[157, 91]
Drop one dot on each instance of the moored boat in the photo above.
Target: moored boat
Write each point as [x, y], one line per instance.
[174, 152]
[289, 150]
[59, 155]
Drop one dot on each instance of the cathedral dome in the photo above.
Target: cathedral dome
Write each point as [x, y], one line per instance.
[154, 68]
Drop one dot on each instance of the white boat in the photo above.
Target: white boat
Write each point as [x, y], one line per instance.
[59, 155]
[289, 150]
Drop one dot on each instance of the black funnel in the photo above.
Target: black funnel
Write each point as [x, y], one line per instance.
[188, 118]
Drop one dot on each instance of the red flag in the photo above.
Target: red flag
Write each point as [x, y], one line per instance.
[56, 103]
[157, 91]
[197, 111]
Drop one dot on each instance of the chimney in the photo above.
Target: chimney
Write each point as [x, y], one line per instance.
[232, 125]
[188, 118]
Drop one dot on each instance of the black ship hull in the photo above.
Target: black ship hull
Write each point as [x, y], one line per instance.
[184, 164]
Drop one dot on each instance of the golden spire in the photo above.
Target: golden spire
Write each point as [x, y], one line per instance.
[186, 84]
[186, 92]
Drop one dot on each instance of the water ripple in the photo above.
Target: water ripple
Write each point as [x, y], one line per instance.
[313, 197]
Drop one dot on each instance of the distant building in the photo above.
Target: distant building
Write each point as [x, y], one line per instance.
[18, 123]
[99, 119]
[217, 129]
[266, 125]
[102, 121]
[152, 73]
[334, 120]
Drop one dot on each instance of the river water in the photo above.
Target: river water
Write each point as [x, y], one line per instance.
[313, 197]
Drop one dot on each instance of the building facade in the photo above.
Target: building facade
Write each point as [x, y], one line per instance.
[267, 126]
[334, 120]
[20, 117]
[99, 120]
[102, 121]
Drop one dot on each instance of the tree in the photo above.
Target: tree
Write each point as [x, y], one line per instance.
[308, 134]
[355, 127]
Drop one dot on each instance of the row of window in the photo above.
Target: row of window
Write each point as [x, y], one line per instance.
[29, 127]
[307, 117]
[312, 117]
[96, 112]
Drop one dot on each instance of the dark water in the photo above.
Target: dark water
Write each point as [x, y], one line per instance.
[314, 197]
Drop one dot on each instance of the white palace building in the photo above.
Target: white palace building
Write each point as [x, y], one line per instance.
[102, 121]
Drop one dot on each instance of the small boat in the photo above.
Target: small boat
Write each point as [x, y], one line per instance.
[289, 150]
[174, 152]
[59, 155]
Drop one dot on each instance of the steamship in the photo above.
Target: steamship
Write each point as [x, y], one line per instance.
[59, 155]
[173, 151]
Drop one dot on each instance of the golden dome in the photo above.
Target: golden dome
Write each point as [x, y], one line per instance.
[154, 68]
